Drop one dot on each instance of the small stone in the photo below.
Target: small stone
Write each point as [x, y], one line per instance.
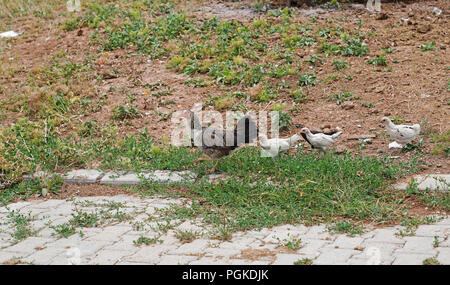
[424, 28]
[82, 176]
[437, 11]
[347, 105]
[395, 145]
[379, 89]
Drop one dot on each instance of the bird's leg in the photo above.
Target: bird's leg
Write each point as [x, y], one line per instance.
[212, 170]
[202, 159]
[321, 153]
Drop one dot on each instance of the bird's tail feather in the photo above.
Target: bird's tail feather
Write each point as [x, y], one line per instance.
[336, 135]
[292, 140]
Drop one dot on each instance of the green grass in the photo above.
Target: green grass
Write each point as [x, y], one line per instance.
[108, 213]
[347, 227]
[340, 64]
[438, 199]
[431, 261]
[20, 225]
[291, 243]
[186, 236]
[293, 189]
[343, 96]
[304, 261]
[235, 56]
[379, 61]
[428, 46]
[10, 10]
[142, 240]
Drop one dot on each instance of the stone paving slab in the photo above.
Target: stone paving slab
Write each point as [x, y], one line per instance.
[433, 182]
[116, 243]
[83, 176]
[159, 176]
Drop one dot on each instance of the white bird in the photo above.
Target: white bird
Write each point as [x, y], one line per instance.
[320, 141]
[402, 134]
[277, 145]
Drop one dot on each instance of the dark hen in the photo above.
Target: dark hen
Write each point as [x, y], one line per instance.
[217, 143]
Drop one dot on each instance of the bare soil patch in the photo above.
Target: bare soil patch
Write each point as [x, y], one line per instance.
[415, 90]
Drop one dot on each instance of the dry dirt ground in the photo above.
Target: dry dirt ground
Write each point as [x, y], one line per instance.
[416, 89]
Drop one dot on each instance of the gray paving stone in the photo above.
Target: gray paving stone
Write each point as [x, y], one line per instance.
[221, 252]
[280, 236]
[115, 178]
[242, 241]
[387, 235]
[334, 256]
[416, 244]
[433, 230]
[132, 263]
[386, 249]
[205, 261]
[287, 259]
[433, 182]
[28, 246]
[111, 233]
[410, 258]
[6, 256]
[375, 253]
[49, 204]
[86, 248]
[189, 226]
[232, 245]
[44, 256]
[194, 247]
[444, 255]
[246, 262]
[125, 243]
[109, 257]
[445, 242]
[436, 182]
[82, 176]
[164, 176]
[176, 259]
[17, 206]
[319, 232]
[169, 239]
[148, 254]
[311, 247]
[347, 242]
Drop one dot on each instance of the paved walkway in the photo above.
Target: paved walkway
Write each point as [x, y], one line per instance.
[127, 223]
